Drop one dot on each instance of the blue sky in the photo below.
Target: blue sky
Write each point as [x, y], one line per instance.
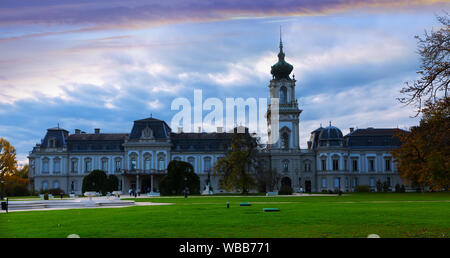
[103, 64]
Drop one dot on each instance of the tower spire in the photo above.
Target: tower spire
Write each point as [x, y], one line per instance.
[281, 42]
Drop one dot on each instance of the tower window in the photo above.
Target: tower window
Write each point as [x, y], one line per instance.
[283, 95]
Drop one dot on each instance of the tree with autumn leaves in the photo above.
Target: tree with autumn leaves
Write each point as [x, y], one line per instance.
[13, 180]
[424, 156]
[237, 167]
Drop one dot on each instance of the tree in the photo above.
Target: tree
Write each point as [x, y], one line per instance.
[174, 183]
[23, 171]
[8, 162]
[268, 179]
[434, 72]
[236, 167]
[96, 181]
[424, 156]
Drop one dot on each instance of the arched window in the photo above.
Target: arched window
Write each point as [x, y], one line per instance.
[147, 163]
[285, 165]
[161, 163]
[285, 140]
[55, 184]
[87, 165]
[74, 165]
[133, 163]
[283, 95]
[105, 164]
[118, 164]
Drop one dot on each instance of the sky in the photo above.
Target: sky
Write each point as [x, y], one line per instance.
[105, 63]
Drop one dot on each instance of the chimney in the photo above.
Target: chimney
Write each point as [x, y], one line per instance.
[351, 129]
[97, 130]
[309, 144]
[77, 131]
[199, 129]
[219, 129]
[180, 129]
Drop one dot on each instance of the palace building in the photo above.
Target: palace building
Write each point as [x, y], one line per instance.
[139, 158]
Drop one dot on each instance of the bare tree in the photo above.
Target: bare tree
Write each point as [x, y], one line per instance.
[435, 69]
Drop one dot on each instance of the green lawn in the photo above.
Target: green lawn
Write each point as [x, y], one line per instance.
[357, 215]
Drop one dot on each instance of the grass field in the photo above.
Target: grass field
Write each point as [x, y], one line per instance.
[356, 215]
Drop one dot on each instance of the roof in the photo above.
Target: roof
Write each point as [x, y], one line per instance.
[373, 138]
[159, 129]
[201, 141]
[97, 137]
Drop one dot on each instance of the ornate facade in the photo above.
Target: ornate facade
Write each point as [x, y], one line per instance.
[140, 158]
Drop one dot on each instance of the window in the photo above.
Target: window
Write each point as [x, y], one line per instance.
[335, 164]
[161, 164]
[52, 143]
[73, 186]
[388, 180]
[283, 95]
[133, 164]
[105, 165]
[55, 185]
[355, 182]
[307, 167]
[285, 141]
[336, 182]
[56, 165]
[285, 166]
[118, 165]
[87, 165]
[45, 166]
[387, 163]
[74, 166]
[324, 182]
[372, 182]
[44, 185]
[355, 165]
[147, 164]
[345, 163]
[191, 160]
[371, 165]
[207, 163]
[324, 164]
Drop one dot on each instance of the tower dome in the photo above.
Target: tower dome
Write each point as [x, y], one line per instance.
[331, 136]
[281, 69]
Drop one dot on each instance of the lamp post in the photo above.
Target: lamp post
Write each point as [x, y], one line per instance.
[2, 181]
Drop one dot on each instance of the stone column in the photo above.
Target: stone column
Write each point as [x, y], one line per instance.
[138, 187]
[151, 183]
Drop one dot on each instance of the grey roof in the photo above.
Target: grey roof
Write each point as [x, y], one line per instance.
[331, 133]
[58, 134]
[104, 142]
[159, 128]
[199, 142]
[373, 138]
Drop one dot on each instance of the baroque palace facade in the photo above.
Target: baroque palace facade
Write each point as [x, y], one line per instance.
[140, 158]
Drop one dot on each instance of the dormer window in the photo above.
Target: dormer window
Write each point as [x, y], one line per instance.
[52, 143]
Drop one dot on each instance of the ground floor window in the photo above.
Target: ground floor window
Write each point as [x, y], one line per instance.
[324, 182]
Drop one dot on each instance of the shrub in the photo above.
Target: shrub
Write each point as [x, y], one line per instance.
[285, 190]
[14, 189]
[55, 191]
[362, 189]
[113, 183]
[402, 189]
[46, 196]
[385, 187]
[379, 186]
[174, 183]
[397, 188]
